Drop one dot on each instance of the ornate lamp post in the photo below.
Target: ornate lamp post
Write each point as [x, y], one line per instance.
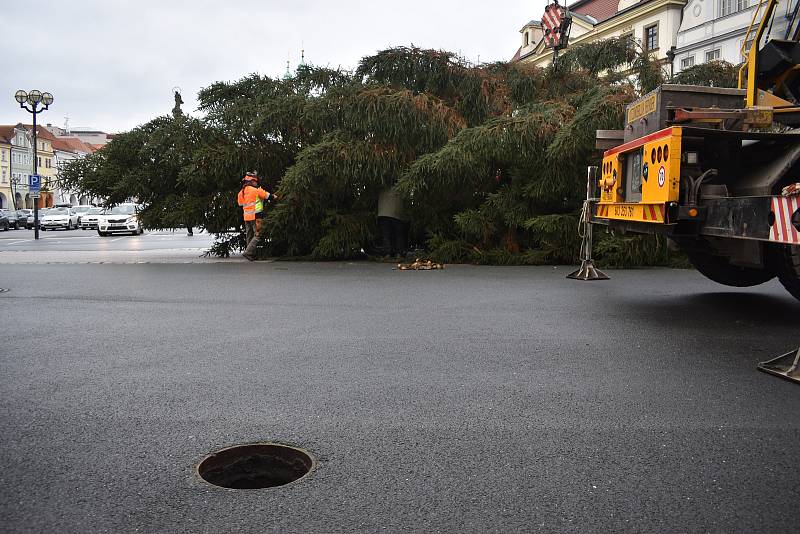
[33, 99]
[14, 184]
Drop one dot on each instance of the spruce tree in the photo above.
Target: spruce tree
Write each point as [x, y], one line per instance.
[490, 158]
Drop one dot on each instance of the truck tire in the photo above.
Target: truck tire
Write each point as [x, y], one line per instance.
[721, 271]
[787, 264]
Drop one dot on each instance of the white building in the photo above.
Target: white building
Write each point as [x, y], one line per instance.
[67, 149]
[90, 136]
[715, 29]
[653, 23]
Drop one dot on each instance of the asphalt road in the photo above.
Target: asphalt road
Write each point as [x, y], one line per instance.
[86, 246]
[473, 399]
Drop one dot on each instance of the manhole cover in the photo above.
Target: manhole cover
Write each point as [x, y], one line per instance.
[256, 465]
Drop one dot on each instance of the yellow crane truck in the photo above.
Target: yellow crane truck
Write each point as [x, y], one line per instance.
[717, 170]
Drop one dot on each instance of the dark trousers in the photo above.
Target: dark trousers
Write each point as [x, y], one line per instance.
[394, 234]
[249, 231]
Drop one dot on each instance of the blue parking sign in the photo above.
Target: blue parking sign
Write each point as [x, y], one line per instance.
[34, 183]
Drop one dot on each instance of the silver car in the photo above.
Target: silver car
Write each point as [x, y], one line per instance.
[42, 213]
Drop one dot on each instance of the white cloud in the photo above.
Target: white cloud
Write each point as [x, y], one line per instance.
[112, 64]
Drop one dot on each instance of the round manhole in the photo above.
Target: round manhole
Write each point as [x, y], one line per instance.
[256, 465]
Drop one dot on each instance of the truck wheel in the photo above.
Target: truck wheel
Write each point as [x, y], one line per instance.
[786, 259]
[721, 271]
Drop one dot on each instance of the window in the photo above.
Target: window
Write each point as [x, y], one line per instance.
[711, 55]
[651, 38]
[687, 62]
[728, 7]
[38, 161]
[527, 39]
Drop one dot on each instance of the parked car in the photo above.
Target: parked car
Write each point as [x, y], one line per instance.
[29, 220]
[120, 219]
[10, 216]
[28, 213]
[60, 218]
[4, 220]
[18, 219]
[90, 219]
[13, 219]
[81, 210]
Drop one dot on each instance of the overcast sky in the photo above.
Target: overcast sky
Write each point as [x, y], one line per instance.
[112, 64]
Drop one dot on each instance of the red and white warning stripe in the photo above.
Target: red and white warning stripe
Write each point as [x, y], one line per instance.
[553, 15]
[783, 230]
[653, 212]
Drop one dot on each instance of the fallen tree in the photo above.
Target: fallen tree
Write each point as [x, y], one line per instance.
[490, 158]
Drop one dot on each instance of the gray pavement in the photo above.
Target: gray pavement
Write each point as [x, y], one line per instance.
[474, 399]
[86, 246]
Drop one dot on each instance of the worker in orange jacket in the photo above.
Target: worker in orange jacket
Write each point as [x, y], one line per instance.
[252, 197]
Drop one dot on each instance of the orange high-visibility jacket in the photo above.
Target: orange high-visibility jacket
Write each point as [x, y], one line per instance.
[248, 198]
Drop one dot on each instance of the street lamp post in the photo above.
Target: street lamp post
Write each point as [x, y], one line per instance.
[33, 99]
[14, 184]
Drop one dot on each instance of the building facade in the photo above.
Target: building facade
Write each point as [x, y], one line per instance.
[20, 165]
[70, 144]
[5, 173]
[17, 143]
[68, 149]
[90, 136]
[652, 23]
[715, 29]
[45, 163]
[531, 35]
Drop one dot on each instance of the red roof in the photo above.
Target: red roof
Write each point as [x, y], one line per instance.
[597, 9]
[6, 133]
[71, 144]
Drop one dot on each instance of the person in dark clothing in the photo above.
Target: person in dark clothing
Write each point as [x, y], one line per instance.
[392, 222]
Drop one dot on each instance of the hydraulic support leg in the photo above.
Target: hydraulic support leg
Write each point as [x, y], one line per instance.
[587, 270]
[786, 366]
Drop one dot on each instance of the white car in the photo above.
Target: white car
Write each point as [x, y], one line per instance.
[65, 218]
[120, 219]
[81, 210]
[90, 219]
[42, 213]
